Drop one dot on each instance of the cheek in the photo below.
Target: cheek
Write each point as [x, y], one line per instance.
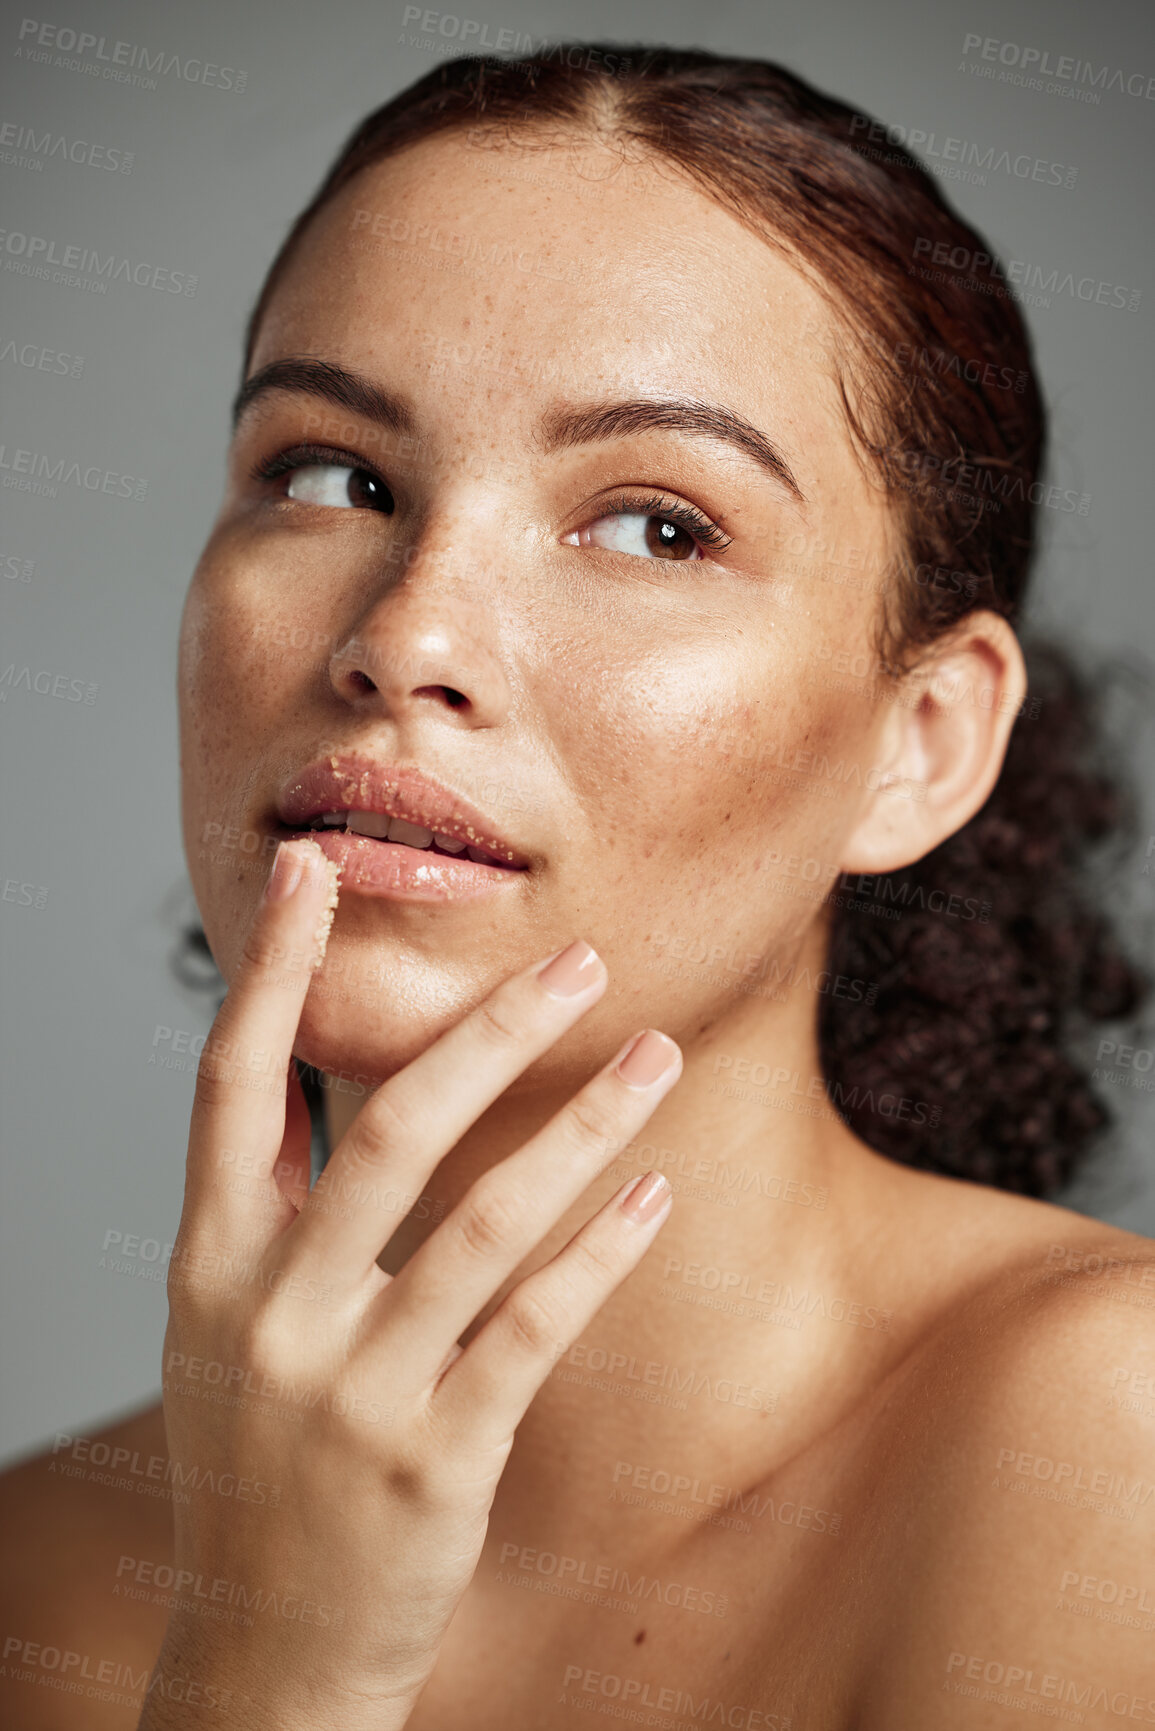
[721, 779]
[225, 686]
[638, 737]
[214, 635]
[213, 695]
[681, 745]
[240, 666]
[201, 686]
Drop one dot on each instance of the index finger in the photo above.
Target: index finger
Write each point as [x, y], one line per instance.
[238, 1114]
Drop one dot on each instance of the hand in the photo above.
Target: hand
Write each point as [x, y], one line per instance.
[338, 1449]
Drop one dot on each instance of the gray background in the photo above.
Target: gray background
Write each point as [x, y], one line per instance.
[94, 1136]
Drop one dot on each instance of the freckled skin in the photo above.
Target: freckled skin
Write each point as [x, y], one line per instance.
[634, 726]
[625, 700]
[644, 727]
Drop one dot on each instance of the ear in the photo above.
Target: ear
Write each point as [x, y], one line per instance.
[941, 749]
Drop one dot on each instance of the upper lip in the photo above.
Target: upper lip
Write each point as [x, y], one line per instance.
[344, 781]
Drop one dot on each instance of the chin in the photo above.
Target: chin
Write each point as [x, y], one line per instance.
[336, 1035]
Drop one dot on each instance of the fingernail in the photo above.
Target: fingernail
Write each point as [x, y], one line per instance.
[570, 972]
[646, 1198]
[647, 1059]
[288, 869]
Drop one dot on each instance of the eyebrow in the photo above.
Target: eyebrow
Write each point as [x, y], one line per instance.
[332, 384]
[562, 427]
[583, 424]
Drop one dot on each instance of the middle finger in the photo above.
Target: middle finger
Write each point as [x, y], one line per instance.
[410, 1122]
[507, 1212]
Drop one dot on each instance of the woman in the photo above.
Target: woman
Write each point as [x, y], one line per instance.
[480, 1430]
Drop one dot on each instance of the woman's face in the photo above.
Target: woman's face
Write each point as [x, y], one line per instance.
[651, 712]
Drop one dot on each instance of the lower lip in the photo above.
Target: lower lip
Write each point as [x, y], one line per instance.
[406, 874]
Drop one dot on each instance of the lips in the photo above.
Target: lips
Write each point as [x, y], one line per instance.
[396, 832]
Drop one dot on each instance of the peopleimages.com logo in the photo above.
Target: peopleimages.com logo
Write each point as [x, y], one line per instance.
[957, 158]
[1018, 279]
[1030, 66]
[33, 254]
[59, 45]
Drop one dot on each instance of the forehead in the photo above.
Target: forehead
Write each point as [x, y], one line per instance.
[508, 275]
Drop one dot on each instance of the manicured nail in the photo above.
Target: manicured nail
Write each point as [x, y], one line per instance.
[570, 972]
[288, 870]
[646, 1198]
[648, 1058]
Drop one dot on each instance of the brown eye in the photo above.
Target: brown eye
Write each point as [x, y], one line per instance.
[340, 485]
[642, 533]
[669, 540]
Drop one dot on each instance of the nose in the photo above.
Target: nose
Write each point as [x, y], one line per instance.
[424, 647]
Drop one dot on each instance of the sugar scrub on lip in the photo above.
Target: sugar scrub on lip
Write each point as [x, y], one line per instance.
[313, 858]
[329, 911]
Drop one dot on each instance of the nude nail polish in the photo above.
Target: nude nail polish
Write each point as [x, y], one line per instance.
[648, 1059]
[648, 1197]
[570, 972]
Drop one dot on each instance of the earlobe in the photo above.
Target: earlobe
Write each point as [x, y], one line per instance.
[942, 750]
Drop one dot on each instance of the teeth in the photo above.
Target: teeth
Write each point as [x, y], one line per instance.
[410, 833]
[372, 823]
[382, 828]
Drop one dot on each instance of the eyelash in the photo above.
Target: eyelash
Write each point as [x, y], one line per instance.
[300, 456]
[688, 517]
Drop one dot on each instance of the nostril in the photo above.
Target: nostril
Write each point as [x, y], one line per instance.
[455, 699]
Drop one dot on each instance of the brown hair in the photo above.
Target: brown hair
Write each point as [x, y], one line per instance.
[975, 1008]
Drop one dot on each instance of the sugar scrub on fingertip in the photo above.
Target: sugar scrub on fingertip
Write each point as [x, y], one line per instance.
[328, 912]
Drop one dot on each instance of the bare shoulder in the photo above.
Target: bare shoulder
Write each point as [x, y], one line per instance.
[1025, 1558]
[80, 1634]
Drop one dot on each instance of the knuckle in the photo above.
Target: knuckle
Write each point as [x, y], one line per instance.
[590, 1121]
[260, 950]
[214, 1083]
[497, 1022]
[188, 1302]
[383, 1126]
[534, 1322]
[260, 1342]
[201, 1283]
[593, 1262]
[487, 1222]
[187, 1291]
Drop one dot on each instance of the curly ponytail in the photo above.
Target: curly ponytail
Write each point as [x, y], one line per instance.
[981, 1005]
